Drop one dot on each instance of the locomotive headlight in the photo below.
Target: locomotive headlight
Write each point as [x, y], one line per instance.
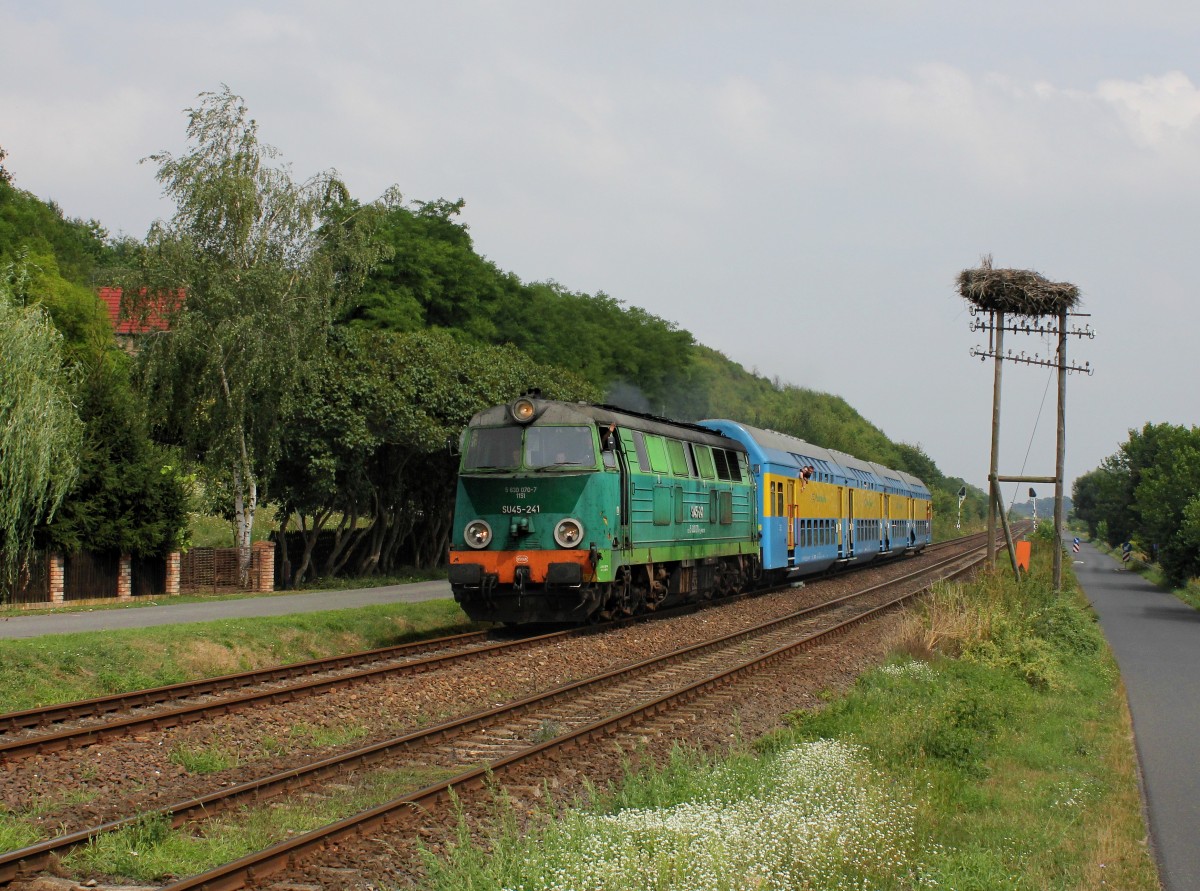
[523, 410]
[568, 533]
[478, 534]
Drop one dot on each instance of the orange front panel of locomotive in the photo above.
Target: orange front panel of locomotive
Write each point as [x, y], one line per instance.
[503, 564]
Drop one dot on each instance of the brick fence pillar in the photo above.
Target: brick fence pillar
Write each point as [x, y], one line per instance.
[173, 561]
[57, 572]
[125, 578]
[262, 566]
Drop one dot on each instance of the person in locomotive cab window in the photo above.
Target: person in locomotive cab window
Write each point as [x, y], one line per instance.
[608, 446]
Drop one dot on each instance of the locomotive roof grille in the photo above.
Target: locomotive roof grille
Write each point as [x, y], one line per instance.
[555, 412]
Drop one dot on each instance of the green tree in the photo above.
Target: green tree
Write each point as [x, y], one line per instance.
[79, 248]
[1146, 493]
[1168, 462]
[431, 277]
[129, 496]
[1181, 560]
[366, 445]
[1097, 497]
[121, 499]
[249, 272]
[40, 430]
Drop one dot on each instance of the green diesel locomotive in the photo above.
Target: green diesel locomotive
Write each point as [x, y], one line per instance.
[568, 512]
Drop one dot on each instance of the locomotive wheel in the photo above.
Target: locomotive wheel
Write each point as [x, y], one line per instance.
[730, 581]
[639, 599]
[622, 600]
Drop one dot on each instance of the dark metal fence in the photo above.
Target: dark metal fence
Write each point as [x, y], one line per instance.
[32, 584]
[88, 576]
[148, 576]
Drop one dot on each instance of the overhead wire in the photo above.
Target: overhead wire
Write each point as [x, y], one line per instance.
[1036, 421]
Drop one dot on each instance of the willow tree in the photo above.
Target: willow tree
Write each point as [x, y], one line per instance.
[40, 430]
[246, 275]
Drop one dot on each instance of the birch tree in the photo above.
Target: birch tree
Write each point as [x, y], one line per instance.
[247, 274]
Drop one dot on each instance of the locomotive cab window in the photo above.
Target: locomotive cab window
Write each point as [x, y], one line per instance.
[493, 448]
[552, 447]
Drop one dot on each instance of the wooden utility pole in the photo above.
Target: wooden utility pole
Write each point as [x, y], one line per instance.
[1060, 459]
[1027, 298]
[994, 467]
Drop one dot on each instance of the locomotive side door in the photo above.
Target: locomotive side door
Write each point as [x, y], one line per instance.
[626, 531]
[623, 534]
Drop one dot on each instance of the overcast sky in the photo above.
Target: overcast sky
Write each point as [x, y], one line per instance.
[797, 183]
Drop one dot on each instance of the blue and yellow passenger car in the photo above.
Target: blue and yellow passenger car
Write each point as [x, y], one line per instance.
[821, 509]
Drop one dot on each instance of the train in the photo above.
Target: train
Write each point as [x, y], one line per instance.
[569, 513]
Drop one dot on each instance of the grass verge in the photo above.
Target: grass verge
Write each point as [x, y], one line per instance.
[993, 752]
[66, 667]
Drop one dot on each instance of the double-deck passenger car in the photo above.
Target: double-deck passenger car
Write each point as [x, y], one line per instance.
[843, 511]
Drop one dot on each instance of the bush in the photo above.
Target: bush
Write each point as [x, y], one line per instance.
[959, 729]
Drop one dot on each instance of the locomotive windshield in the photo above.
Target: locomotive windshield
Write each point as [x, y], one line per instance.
[493, 448]
[559, 447]
[501, 448]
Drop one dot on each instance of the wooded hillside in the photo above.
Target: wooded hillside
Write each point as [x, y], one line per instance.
[412, 312]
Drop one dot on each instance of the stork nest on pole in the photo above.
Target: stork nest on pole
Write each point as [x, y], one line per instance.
[1015, 291]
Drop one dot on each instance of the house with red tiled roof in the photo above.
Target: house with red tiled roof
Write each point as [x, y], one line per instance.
[129, 330]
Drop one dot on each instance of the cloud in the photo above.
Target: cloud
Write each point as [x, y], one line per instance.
[1156, 110]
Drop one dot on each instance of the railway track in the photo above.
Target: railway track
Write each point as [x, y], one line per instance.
[94, 721]
[136, 713]
[497, 740]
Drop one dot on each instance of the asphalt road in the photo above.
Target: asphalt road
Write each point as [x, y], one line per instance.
[36, 625]
[1156, 639]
